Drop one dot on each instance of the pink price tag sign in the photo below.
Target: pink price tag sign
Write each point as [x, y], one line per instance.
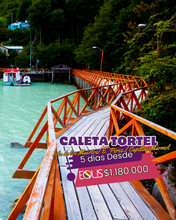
[121, 172]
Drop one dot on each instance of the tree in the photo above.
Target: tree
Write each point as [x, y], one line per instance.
[3, 59]
[81, 13]
[57, 22]
[22, 61]
[95, 35]
[39, 16]
[54, 54]
[106, 33]
[17, 37]
[3, 22]
[160, 109]
[142, 40]
[22, 13]
[12, 55]
[158, 67]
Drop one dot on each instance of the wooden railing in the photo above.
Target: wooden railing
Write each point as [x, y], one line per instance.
[122, 108]
[45, 182]
[44, 191]
[140, 82]
[95, 78]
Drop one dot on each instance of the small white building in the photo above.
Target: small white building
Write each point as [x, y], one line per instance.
[8, 49]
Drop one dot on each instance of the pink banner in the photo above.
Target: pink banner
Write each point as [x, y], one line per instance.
[121, 172]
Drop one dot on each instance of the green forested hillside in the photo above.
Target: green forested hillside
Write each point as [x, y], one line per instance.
[77, 25]
[53, 23]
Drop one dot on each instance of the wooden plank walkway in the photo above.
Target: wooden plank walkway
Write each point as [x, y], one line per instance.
[117, 201]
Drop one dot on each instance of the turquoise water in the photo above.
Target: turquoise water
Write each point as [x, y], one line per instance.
[21, 108]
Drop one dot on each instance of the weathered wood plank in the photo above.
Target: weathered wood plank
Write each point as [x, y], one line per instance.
[86, 205]
[83, 128]
[99, 203]
[72, 206]
[112, 203]
[49, 191]
[100, 130]
[98, 125]
[85, 202]
[75, 125]
[104, 129]
[152, 203]
[93, 125]
[138, 202]
[89, 132]
[125, 202]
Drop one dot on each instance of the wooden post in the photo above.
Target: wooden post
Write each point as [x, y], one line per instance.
[69, 77]
[52, 80]
[101, 60]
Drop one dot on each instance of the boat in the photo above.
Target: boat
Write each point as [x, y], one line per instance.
[13, 77]
[26, 79]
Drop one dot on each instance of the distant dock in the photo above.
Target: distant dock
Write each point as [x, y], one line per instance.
[59, 73]
[39, 76]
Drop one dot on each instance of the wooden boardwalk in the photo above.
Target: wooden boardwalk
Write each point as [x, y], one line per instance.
[51, 195]
[103, 202]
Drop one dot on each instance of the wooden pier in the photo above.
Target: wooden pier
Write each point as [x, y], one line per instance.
[52, 196]
[59, 73]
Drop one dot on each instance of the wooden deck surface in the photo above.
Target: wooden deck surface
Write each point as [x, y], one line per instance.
[104, 202]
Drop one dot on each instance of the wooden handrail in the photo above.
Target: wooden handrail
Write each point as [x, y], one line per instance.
[95, 79]
[134, 122]
[88, 89]
[48, 174]
[150, 124]
[106, 95]
[108, 75]
[166, 157]
[34, 209]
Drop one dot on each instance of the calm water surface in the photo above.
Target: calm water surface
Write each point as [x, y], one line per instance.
[20, 110]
